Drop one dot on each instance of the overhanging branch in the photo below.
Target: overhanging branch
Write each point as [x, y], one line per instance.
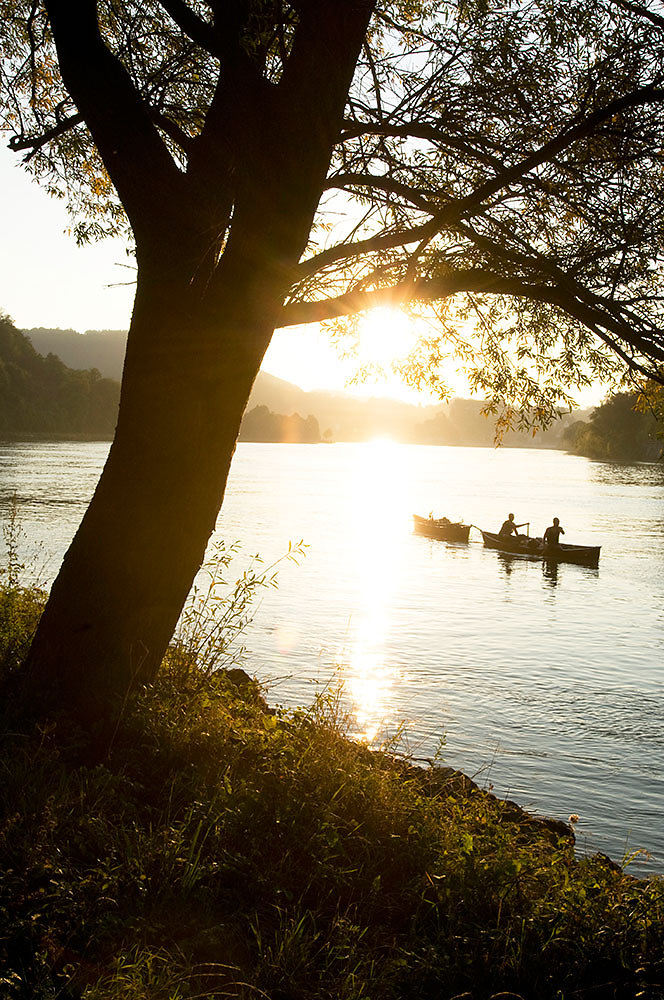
[425, 290]
[382, 183]
[474, 280]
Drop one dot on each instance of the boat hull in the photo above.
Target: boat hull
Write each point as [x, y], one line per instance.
[441, 528]
[534, 548]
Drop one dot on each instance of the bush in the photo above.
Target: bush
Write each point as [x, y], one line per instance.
[20, 610]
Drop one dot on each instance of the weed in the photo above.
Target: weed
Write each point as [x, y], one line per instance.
[20, 605]
[213, 623]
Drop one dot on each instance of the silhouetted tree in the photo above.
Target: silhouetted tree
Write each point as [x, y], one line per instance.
[618, 431]
[505, 151]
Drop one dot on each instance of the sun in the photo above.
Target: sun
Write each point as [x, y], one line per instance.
[385, 335]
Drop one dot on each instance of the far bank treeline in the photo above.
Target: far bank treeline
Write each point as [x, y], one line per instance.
[623, 429]
[42, 396]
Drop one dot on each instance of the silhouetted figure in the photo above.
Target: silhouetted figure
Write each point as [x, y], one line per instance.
[552, 534]
[509, 527]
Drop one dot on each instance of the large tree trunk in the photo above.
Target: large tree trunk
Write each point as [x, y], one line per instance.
[118, 596]
[202, 321]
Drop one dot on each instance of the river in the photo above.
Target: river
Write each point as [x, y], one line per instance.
[545, 685]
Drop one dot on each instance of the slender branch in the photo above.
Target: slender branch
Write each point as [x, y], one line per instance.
[374, 77]
[33, 143]
[200, 32]
[172, 130]
[418, 130]
[382, 183]
[638, 8]
[373, 244]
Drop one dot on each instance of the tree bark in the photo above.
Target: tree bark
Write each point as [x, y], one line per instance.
[123, 582]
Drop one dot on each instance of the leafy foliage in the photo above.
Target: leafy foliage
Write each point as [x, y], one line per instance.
[217, 613]
[20, 604]
[208, 845]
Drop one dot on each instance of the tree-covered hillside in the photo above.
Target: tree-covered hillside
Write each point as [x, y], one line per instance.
[101, 349]
[619, 430]
[42, 396]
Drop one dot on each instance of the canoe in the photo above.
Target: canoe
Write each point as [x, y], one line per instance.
[441, 528]
[584, 555]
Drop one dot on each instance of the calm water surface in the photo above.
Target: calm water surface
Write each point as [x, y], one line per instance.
[546, 685]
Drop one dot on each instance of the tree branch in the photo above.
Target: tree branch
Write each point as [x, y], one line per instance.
[424, 290]
[194, 27]
[288, 131]
[418, 130]
[172, 130]
[476, 281]
[147, 180]
[638, 8]
[455, 210]
[18, 142]
[617, 317]
[382, 183]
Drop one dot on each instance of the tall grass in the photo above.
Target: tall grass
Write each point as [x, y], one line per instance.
[21, 602]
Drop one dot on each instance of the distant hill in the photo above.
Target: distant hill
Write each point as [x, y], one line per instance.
[461, 422]
[100, 349]
[340, 415]
[347, 417]
[41, 395]
[344, 416]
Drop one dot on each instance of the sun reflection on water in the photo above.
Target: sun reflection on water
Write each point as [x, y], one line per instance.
[370, 673]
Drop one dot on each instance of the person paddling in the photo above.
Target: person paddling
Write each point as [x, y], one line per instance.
[552, 534]
[509, 527]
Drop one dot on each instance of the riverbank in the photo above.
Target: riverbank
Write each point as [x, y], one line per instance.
[21, 437]
[212, 846]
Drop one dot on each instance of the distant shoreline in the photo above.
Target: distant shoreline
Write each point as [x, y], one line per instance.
[19, 436]
[34, 436]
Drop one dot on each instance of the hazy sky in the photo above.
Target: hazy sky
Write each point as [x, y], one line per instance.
[46, 280]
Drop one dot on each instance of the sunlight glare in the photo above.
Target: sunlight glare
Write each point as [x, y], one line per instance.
[371, 676]
[385, 336]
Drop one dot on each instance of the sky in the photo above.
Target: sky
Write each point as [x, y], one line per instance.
[46, 280]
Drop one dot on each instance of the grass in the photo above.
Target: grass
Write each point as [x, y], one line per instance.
[218, 848]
